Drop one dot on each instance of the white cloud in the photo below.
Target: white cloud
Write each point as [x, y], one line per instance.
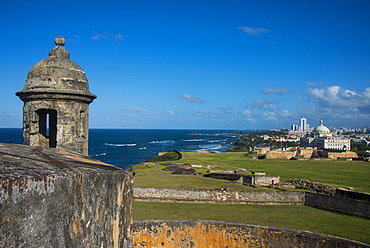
[286, 113]
[200, 112]
[192, 99]
[205, 113]
[270, 116]
[170, 112]
[254, 31]
[247, 113]
[11, 116]
[266, 104]
[227, 110]
[275, 91]
[76, 38]
[347, 117]
[338, 97]
[337, 105]
[314, 83]
[278, 115]
[136, 109]
[106, 36]
[264, 101]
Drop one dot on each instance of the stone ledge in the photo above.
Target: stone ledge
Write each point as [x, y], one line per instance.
[202, 233]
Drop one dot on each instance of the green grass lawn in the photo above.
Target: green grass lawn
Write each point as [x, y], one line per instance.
[296, 217]
[334, 173]
[156, 177]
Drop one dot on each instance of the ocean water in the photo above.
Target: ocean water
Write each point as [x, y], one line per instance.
[126, 147]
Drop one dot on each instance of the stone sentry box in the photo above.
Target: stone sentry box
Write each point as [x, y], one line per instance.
[56, 100]
[57, 198]
[51, 195]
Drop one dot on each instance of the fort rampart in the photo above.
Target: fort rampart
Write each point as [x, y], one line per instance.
[220, 196]
[337, 204]
[202, 233]
[54, 198]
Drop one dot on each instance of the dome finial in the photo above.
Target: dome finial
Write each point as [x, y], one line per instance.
[59, 41]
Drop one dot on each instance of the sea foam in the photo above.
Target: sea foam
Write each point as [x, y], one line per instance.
[118, 145]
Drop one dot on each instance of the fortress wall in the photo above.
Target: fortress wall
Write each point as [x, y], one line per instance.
[53, 198]
[219, 196]
[340, 205]
[264, 180]
[67, 211]
[306, 153]
[336, 204]
[201, 233]
[346, 154]
[352, 195]
[260, 180]
[275, 154]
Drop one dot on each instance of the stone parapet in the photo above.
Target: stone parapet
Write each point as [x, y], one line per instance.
[203, 233]
[346, 154]
[57, 198]
[340, 205]
[220, 196]
[352, 195]
[275, 154]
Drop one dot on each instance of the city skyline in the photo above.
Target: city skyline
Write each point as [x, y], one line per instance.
[199, 64]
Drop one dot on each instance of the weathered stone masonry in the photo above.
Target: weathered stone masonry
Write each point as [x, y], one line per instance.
[56, 198]
[202, 233]
[56, 100]
[336, 204]
[220, 196]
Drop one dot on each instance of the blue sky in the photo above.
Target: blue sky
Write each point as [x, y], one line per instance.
[199, 64]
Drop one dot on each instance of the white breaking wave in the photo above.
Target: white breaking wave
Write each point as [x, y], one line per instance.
[97, 155]
[211, 147]
[191, 140]
[161, 142]
[216, 141]
[142, 148]
[118, 145]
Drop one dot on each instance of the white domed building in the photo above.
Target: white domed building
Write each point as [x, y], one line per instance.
[322, 138]
[322, 131]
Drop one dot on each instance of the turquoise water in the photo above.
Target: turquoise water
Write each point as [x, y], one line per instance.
[126, 147]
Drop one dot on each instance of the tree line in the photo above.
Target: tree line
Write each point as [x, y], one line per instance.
[250, 140]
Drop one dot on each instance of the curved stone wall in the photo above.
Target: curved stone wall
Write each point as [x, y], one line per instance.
[202, 233]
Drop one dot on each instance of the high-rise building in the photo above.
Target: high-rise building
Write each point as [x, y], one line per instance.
[303, 125]
[294, 128]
